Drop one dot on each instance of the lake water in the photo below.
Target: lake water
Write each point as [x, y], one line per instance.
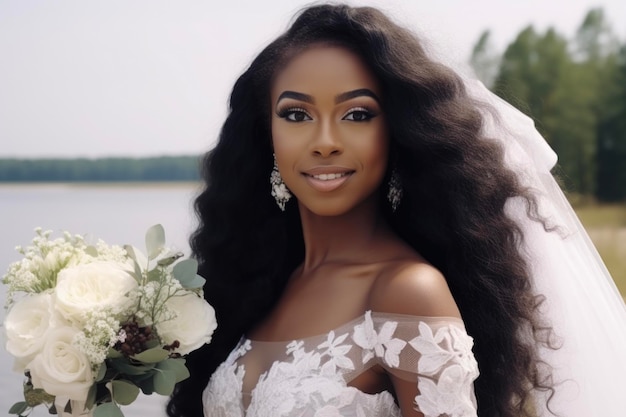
[116, 214]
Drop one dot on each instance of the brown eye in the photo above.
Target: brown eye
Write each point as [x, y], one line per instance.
[294, 115]
[359, 115]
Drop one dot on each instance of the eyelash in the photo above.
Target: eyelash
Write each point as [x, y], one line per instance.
[287, 112]
[360, 110]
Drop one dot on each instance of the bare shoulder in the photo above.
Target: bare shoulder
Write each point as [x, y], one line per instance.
[412, 287]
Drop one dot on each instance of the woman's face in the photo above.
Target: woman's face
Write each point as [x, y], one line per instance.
[328, 130]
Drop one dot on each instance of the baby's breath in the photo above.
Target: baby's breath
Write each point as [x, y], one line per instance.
[125, 321]
[154, 295]
[43, 260]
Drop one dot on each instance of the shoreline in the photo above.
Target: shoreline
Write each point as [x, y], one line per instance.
[102, 184]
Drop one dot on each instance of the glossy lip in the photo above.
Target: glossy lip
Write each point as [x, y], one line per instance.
[327, 185]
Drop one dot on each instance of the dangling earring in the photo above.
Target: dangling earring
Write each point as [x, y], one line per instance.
[394, 194]
[279, 190]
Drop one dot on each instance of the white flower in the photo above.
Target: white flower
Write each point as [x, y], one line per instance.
[336, 352]
[193, 325]
[243, 348]
[295, 348]
[61, 369]
[96, 286]
[446, 397]
[448, 344]
[462, 344]
[27, 325]
[382, 344]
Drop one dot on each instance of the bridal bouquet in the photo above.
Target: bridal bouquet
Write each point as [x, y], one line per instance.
[91, 326]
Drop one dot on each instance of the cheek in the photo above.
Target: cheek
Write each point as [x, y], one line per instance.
[287, 154]
[282, 141]
[376, 153]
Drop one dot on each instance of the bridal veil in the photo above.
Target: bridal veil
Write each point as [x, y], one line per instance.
[582, 303]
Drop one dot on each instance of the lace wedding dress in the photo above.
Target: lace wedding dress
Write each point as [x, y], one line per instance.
[311, 377]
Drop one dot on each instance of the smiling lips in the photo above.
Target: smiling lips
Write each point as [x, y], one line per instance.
[327, 180]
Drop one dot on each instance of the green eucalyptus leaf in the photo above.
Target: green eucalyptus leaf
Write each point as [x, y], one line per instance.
[176, 365]
[167, 261]
[137, 273]
[164, 382]
[125, 367]
[130, 251]
[91, 397]
[102, 371]
[195, 283]
[107, 410]
[124, 392]
[18, 408]
[114, 354]
[155, 274]
[153, 355]
[155, 240]
[185, 270]
[146, 384]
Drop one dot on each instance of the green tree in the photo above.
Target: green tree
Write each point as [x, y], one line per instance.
[515, 78]
[611, 174]
[601, 81]
[538, 75]
[595, 39]
[484, 60]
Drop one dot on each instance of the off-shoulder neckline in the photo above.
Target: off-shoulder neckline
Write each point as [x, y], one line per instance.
[351, 323]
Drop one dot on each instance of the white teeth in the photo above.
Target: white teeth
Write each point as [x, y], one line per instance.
[325, 177]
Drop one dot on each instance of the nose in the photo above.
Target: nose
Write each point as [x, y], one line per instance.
[327, 142]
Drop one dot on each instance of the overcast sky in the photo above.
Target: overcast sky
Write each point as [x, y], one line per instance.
[151, 77]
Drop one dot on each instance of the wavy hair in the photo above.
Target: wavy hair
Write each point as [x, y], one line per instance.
[455, 188]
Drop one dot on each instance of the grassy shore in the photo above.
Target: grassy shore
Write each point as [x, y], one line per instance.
[606, 225]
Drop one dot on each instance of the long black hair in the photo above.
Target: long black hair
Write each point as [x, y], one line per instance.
[455, 187]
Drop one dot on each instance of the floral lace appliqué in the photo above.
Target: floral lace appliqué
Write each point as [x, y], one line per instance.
[336, 353]
[447, 369]
[311, 377]
[381, 344]
[224, 390]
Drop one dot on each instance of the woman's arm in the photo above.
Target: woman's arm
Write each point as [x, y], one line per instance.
[420, 290]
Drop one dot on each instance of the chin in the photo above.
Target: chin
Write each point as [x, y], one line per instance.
[326, 210]
[333, 207]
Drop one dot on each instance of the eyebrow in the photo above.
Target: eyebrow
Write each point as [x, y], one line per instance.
[296, 96]
[356, 93]
[338, 99]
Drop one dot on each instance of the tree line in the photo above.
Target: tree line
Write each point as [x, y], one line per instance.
[164, 168]
[575, 90]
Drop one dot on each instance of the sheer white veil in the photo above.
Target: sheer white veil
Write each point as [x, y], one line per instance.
[582, 303]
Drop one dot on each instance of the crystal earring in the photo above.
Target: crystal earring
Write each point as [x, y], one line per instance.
[279, 190]
[394, 194]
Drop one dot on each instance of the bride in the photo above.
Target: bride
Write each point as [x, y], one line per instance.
[381, 238]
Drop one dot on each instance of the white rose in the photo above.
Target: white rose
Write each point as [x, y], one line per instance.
[193, 325]
[92, 287]
[60, 368]
[27, 325]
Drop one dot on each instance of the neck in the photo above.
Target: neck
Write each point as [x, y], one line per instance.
[342, 238]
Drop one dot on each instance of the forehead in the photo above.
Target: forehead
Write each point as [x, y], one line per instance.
[321, 68]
